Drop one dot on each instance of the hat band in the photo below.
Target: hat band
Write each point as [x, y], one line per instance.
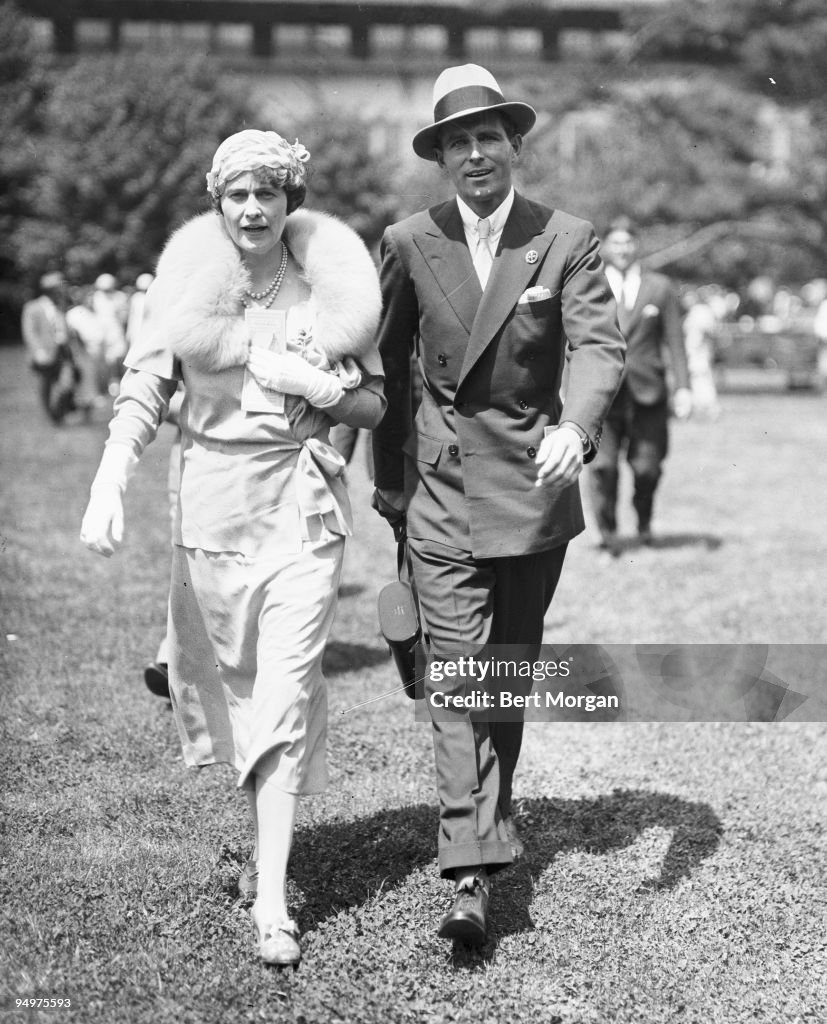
[467, 98]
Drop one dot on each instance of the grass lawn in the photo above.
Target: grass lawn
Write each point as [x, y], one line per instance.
[674, 872]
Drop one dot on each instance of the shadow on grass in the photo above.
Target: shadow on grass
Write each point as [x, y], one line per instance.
[342, 864]
[340, 657]
[666, 541]
[684, 540]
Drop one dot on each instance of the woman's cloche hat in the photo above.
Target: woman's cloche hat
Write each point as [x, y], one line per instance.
[461, 92]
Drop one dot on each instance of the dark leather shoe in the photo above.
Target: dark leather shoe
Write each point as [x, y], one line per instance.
[156, 677]
[514, 837]
[467, 920]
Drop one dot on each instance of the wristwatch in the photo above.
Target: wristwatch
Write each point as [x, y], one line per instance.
[581, 433]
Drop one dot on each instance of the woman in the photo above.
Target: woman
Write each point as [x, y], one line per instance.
[263, 510]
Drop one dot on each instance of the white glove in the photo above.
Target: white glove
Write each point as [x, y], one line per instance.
[102, 526]
[292, 375]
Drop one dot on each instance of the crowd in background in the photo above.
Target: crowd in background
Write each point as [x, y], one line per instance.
[763, 307]
[77, 337]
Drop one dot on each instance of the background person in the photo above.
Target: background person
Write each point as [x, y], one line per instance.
[262, 510]
[110, 306]
[638, 421]
[47, 339]
[137, 304]
[699, 326]
[90, 331]
[489, 289]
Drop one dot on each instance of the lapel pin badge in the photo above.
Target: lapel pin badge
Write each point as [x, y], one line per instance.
[532, 256]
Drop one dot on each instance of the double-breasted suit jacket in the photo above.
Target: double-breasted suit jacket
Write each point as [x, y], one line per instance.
[653, 330]
[491, 367]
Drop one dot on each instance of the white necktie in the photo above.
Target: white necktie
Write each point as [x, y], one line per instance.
[483, 259]
[626, 292]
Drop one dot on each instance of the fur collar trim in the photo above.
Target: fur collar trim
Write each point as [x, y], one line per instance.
[196, 300]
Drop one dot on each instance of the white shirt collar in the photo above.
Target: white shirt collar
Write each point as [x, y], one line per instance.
[497, 219]
[625, 287]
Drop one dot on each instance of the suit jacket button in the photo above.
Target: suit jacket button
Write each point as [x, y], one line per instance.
[523, 403]
[441, 359]
[453, 449]
[531, 451]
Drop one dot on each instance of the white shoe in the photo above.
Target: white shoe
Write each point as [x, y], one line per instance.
[278, 943]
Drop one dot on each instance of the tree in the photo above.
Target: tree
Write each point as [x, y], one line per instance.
[775, 49]
[124, 148]
[23, 86]
[700, 168]
[777, 42]
[351, 177]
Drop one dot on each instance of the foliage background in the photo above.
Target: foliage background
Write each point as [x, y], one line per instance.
[708, 125]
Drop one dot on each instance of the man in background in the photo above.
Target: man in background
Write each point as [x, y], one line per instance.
[649, 315]
[47, 340]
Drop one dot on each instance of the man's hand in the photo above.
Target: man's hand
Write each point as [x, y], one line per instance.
[389, 502]
[682, 403]
[391, 506]
[102, 527]
[560, 458]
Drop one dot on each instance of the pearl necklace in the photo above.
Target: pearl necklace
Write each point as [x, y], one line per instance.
[266, 297]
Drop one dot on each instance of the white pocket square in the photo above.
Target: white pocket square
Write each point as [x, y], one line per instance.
[650, 310]
[535, 294]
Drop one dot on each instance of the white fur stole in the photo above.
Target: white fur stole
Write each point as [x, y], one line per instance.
[195, 304]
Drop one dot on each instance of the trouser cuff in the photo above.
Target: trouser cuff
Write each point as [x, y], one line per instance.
[493, 855]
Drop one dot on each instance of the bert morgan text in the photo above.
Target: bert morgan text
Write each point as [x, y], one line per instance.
[480, 700]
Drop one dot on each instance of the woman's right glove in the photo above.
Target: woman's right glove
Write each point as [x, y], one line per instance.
[292, 375]
[102, 527]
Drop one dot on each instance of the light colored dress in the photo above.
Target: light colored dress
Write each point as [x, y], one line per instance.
[258, 545]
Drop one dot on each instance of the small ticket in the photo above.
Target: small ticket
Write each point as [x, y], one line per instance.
[268, 329]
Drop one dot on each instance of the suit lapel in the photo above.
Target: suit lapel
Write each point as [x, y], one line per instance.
[510, 276]
[445, 250]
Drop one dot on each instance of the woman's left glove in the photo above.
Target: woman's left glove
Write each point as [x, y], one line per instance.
[292, 375]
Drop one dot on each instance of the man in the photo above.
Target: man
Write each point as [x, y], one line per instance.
[487, 289]
[136, 306]
[110, 306]
[46, 337]
[650, 318]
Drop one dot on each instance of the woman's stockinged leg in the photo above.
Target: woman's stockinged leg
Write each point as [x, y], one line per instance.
[288, 725]
[248, 879]
[276, 817]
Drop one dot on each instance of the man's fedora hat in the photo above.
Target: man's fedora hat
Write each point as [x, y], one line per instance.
[461, 92]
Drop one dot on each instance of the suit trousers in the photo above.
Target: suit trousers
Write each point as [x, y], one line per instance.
[469, 607]
[642, 431]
